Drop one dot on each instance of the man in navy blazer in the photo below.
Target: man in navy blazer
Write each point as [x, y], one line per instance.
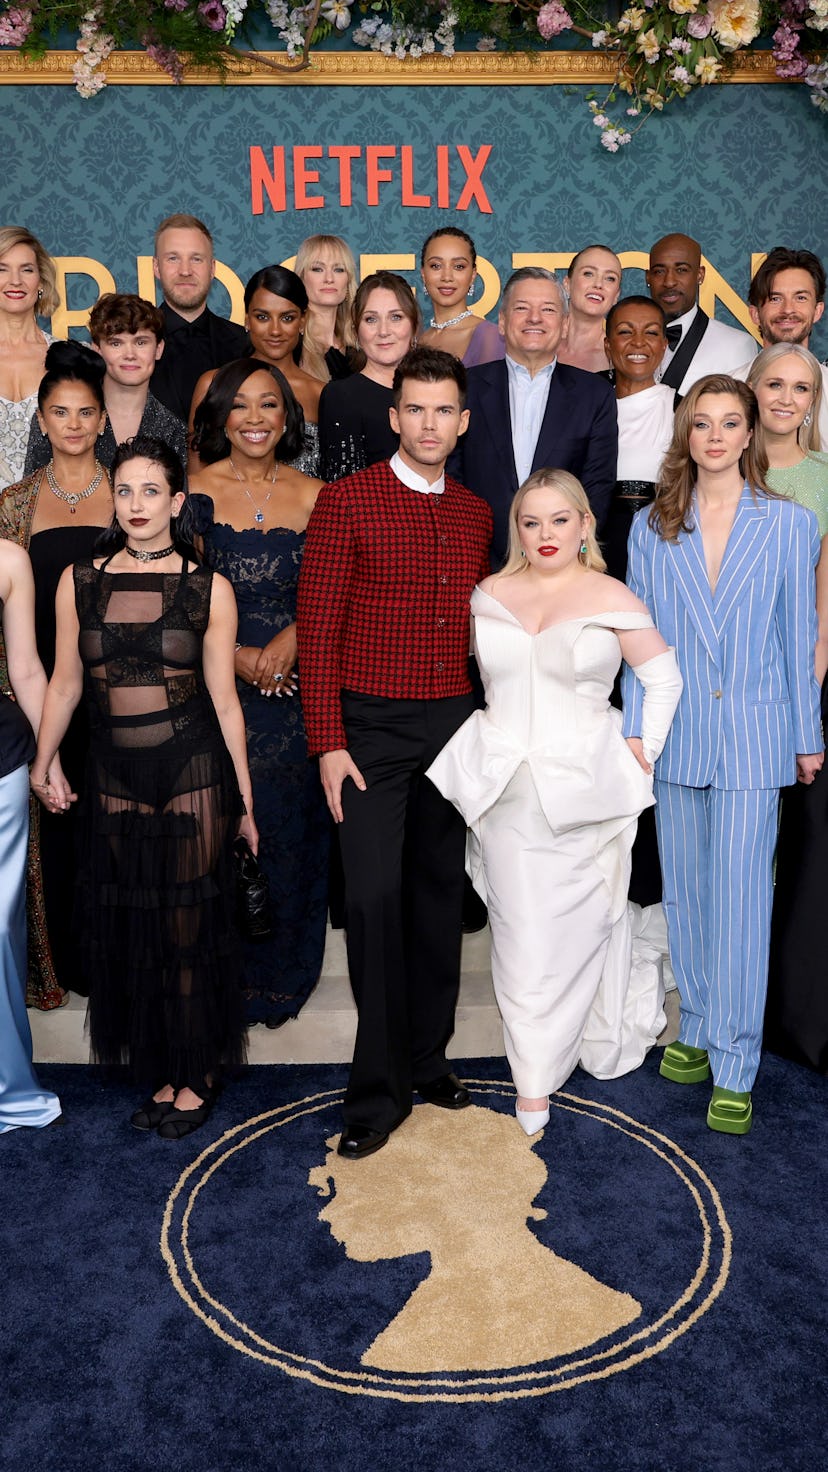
[529, 411]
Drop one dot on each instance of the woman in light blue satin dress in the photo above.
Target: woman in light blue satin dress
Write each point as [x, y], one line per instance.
[22, 1101]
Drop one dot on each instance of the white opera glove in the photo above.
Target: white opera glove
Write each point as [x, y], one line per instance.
[662, 682]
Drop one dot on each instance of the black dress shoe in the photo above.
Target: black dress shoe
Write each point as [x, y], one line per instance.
[447, 1091]
[357, 1140]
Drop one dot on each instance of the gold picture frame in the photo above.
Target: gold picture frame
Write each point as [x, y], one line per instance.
[365, 68]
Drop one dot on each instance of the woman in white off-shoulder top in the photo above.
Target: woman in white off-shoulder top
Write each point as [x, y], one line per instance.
[551, 792]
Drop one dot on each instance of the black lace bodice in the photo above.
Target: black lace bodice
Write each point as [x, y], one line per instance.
[140, 642]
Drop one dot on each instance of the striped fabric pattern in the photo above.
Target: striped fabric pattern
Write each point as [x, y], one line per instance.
[750, 701]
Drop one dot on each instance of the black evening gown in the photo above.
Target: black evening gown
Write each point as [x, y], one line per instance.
[161, 811]
[51, 552]
[796, 1016]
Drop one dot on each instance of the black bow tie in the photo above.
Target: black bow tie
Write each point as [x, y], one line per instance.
[673, 335]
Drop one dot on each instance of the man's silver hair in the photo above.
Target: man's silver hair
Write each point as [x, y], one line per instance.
[534, 273]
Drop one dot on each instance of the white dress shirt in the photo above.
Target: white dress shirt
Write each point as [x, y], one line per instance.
[414, 481]
[527, 406]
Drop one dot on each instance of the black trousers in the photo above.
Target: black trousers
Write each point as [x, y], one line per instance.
[402, 851]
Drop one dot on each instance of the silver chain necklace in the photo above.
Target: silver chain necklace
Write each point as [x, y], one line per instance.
[72, 498]
[452, 321]
[258, 512]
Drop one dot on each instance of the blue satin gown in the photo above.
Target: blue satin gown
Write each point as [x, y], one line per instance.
[22, 1100]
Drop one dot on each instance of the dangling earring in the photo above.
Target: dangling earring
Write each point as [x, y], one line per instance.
[807, 420]
[39, 293]
[583, 552]
[522, 553]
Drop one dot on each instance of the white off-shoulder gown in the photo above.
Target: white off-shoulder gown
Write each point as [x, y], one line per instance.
[551, 793]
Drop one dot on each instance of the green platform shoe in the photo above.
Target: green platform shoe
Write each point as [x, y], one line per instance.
[729, 1113]
[685, 1065]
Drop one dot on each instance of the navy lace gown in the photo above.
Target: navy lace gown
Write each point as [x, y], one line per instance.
[288, 802]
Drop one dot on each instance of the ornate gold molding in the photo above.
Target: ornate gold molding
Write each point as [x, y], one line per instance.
[366, 68]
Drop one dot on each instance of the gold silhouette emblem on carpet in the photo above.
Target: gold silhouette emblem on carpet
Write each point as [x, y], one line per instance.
[461, 1189]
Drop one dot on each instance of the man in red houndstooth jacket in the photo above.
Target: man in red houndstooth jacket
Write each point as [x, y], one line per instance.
[391, 558]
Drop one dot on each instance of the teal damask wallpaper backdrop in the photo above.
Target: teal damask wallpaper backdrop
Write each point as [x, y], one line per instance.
[741, 168]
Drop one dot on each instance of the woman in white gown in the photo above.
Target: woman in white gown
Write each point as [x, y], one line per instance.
[551, 792]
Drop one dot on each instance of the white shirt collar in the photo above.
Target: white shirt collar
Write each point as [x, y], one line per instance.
[518, 368]
[414, 481]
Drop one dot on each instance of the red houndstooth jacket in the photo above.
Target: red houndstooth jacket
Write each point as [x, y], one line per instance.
[384, 595]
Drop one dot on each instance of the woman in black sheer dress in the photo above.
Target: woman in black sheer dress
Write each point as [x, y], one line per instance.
[148, 636]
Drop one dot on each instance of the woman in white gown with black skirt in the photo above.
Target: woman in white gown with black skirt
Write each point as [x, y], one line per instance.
[551, 792]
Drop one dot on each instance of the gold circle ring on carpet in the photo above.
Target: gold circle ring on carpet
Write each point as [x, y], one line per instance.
[611, 1341]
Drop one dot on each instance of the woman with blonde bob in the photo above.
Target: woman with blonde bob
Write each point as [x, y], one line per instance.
[726, 569]
[327, 269]
[551, 793]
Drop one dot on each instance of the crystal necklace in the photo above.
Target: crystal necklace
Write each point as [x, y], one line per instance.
[452, 321]
[258, 512]
[143, 556]
[73, 497]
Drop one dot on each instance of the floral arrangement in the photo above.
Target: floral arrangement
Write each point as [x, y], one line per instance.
[664, 48]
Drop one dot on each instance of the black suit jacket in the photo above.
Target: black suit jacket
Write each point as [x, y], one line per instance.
[190, 349]
[579, 433]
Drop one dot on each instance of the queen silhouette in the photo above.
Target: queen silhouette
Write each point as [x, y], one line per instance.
[461, 1189]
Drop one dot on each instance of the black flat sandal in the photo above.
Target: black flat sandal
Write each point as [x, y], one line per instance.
[179, 1123]
[150, 1114]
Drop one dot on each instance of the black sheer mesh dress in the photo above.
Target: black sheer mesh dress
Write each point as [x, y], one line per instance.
[162, 808]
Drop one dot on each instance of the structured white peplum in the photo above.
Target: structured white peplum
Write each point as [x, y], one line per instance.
[551, 794]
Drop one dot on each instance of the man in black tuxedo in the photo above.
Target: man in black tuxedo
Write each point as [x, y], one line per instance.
[529, 411]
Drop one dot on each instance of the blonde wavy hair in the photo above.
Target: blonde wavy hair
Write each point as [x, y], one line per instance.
[807, 434]
[12, 235]
[575, 495]
[336, 250]
[677, 482]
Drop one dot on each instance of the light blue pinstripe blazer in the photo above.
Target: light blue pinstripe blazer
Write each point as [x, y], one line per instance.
[750, 700]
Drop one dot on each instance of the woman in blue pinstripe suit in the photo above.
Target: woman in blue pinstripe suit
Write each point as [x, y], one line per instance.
[727, 572]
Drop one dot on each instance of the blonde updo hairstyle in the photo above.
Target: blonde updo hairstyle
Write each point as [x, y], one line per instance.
[573, 492]
[808, 436]
[12, 235]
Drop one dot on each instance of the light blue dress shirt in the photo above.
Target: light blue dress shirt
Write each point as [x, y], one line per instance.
[527, 404]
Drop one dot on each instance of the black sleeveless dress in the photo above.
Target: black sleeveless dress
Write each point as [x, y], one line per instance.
[161, 811]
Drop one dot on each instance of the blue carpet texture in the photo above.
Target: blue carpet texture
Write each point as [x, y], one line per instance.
[628, 1291]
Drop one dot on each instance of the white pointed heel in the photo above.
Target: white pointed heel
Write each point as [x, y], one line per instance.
[532, 1120]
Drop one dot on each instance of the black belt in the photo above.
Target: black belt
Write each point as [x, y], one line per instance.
[639, 491]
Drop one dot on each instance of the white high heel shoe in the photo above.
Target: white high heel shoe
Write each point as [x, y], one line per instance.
[532, 1120]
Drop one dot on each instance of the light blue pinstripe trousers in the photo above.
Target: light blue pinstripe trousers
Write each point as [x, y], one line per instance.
[716, 848]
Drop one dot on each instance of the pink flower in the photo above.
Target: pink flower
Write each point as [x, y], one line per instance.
[699, 26]
[552, 19]
[175, 5]
[213, 14]
[15, 26]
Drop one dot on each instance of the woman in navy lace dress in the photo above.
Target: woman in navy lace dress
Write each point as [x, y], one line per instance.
[252, 508]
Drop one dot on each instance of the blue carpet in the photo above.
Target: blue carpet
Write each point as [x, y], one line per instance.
[183, 1306]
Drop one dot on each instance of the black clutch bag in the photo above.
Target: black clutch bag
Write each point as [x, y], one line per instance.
[253, 912]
